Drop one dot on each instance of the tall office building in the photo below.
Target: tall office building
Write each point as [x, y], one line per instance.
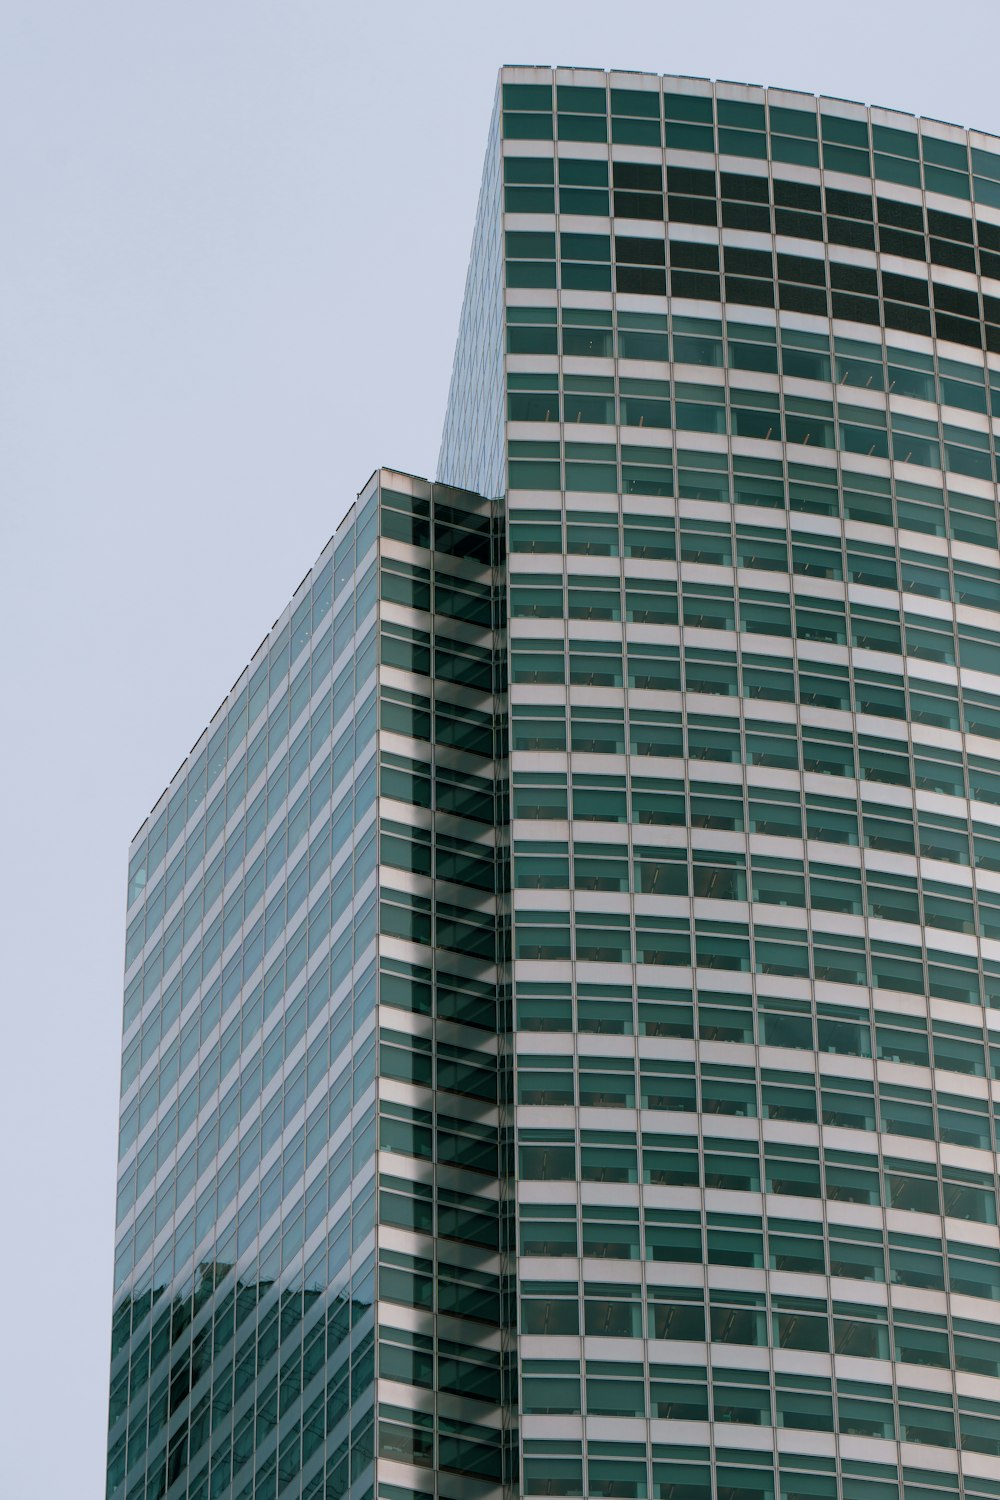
[562, 1009]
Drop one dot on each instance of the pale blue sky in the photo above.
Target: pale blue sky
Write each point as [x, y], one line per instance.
[233, 246]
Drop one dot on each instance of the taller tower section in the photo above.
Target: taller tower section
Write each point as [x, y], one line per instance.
[751, 353]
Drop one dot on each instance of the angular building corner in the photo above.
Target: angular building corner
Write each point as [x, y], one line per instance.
[562, 998]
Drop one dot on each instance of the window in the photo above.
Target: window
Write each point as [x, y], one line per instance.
[585, 261]
[587, 398]
[691, 196]
[804, 1401]
[527, 111]
[615, 1389]
[678, 1393]
[638, 188]
[793, 136]
[796, 1245]
[587, 332]
[916, 1261]
[538, 596]
[745, 202]
[590, 467]
[798, 208]
[694, 271]
[540, 866]
[531, 330]
[946, 166]
[749, 276]
[635, 117]
[644, 403]
[834, 888]
[530, 258]
[640, 265]
[845, 147]
[741, 128]
[538, 728]
[549, 1386]
[738, 1318]
[528, 185]
[688, 122]
[800, 1323]
[897, 155]
[582, 114]
[612, 1310]
[610, 1232]
[865, 1409]
[857, 1252]
[642, 336]
[849, 1102]
[698, 341]
[849, 216]
[802, 284]
[550, 1308]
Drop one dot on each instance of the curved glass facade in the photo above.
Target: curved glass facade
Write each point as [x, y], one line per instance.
[753, 356]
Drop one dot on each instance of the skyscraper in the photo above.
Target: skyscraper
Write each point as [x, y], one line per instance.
[562, 1009]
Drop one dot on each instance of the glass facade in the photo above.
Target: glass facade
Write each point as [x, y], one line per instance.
[752, 360]
[562, 1017]
[311, 899]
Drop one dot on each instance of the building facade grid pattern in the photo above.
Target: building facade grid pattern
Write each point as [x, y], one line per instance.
[559, 1052]
[697, 483]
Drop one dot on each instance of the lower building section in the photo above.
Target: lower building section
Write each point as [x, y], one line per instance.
[308, 1295]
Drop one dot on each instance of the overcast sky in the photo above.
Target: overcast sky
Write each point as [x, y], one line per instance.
[233, 240]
